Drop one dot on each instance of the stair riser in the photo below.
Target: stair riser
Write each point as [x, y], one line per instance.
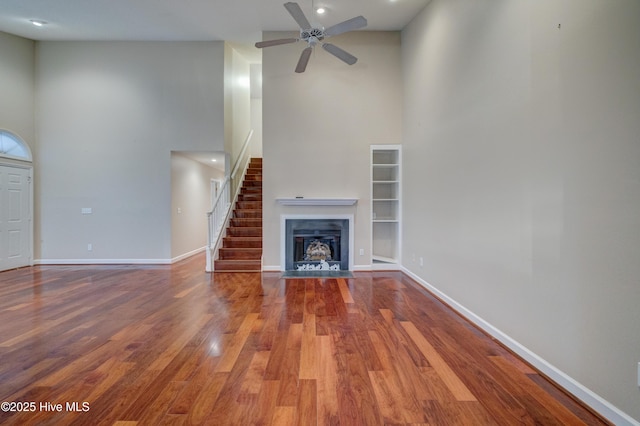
[244, 232]
[251, 222]
[253, 185]
[237, 265]
[251, 190]
[247, 214]
[250, 197]
[239, 242]
[249, 205]
[240, 254]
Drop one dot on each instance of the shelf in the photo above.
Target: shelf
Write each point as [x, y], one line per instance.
[385, 156]
[386, 194]
[317, 201]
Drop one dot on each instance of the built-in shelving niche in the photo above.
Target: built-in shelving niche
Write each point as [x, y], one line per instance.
[386, 190]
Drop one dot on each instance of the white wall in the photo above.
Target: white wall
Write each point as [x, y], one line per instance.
[17, 87]
[237, 83]
[318, 126]
[256, 126]
[190, 201]
[522, 175]
[108, 116]
[256, 109]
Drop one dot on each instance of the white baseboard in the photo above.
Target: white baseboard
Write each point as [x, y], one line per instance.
[361, 268]
[102, 262]
[586, 395]
[187, 255]
[118, 261]
[385, 267]
[271, 268]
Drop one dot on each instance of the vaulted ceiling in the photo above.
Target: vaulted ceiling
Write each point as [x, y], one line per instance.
[237, 21]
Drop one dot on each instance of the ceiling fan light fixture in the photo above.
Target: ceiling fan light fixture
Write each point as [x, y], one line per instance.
[314, 35]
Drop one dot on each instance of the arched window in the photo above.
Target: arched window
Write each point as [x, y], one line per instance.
[11, 146]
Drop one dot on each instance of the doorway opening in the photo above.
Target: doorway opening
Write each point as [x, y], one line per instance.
[16, 202]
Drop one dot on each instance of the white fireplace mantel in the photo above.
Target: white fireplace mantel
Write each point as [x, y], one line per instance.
[301, 201]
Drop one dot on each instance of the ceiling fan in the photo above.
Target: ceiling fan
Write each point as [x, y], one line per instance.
[317, 35]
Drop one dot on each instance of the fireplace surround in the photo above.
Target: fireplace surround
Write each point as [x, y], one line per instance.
[316, 242]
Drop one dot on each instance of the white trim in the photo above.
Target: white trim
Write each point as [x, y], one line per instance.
[188, 254]
[317, 201]
[587, 396]
[28, 166]
[361, 268]
[283, 232]
[386, 267]
[395, 263]
[120, 261]
[271, 268]
[102, 262]
[15, 136]
[16, 162]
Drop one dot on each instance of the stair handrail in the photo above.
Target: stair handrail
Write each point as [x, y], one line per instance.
[242, 153]
[219, 215]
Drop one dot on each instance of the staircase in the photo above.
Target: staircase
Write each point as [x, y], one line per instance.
[241, 249]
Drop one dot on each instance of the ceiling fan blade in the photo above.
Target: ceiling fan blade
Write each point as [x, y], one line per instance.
[348, 25]
[298, 15]
[269, 43]
[304, 59]
[339, 53]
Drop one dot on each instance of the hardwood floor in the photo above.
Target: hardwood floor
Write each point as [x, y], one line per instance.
[175, 345]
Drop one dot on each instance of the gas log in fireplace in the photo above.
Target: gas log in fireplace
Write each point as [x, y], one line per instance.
[316, 244]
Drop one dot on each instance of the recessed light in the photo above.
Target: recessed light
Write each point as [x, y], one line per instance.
[320, 10]
[38, 23]
[213, 160]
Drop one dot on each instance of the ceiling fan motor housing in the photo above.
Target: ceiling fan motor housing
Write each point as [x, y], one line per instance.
[312, 35]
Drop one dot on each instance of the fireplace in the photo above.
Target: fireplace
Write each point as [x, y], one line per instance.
[317, 243]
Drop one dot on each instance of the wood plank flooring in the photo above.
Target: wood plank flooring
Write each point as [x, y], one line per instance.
[155, 345]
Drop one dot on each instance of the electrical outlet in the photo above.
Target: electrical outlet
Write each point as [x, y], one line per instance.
[361, 252]
[421, 262]
[179, 210]
[89, 247]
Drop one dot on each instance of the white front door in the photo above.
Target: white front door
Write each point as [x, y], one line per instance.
[15, 217]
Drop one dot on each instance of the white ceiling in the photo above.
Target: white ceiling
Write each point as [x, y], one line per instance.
[206, 157]
[237, 21]
[240, 22]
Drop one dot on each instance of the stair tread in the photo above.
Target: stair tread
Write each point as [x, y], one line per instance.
[244, 238]
[237, 265]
